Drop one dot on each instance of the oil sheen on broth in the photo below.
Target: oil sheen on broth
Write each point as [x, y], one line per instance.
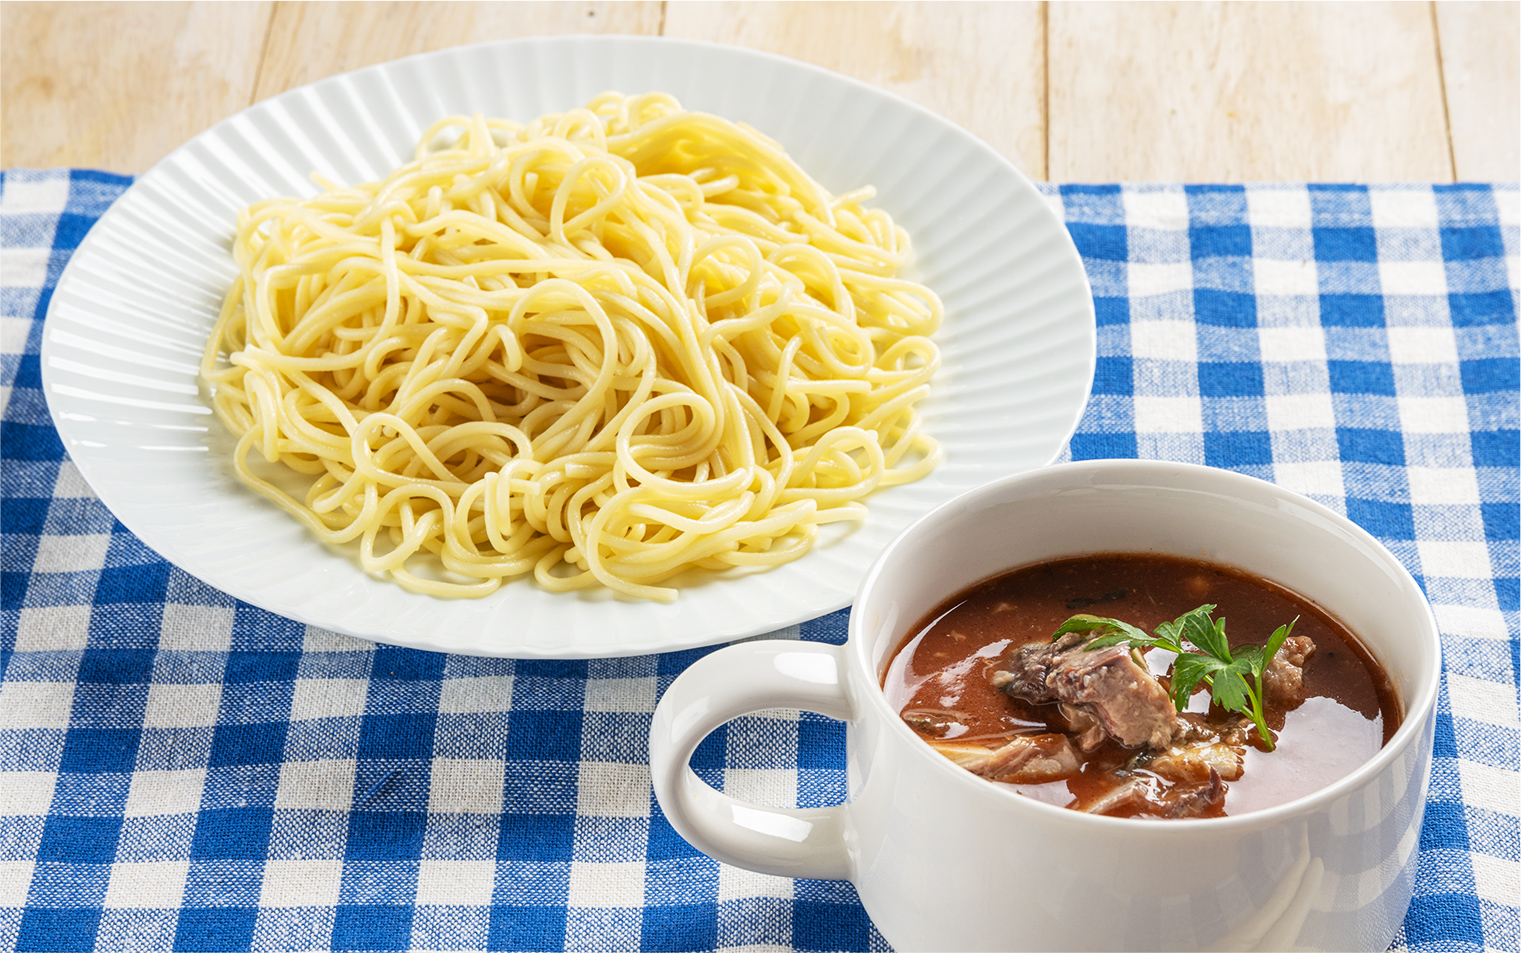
[942, 682]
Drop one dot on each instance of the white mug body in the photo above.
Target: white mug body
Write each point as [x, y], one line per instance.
[943, 859]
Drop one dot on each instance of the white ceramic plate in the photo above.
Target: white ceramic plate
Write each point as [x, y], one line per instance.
[127, 324]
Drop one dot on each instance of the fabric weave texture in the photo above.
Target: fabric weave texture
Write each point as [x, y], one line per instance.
[182, 771]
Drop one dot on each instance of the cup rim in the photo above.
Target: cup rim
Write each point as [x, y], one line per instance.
[1154, 473]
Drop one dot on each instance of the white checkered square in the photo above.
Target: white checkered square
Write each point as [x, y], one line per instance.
[1274, 278]
[196, 628]
[1421, 345]
[82, 553]
[466, 786]
[1508, 204]
[325, 640]
[157, 793]
[13, 335]
[1478, 700]
[1156, 208]
[326, 785]
[610, 789]
[1291, 345]
[157, 884]
[621, 694]
[48, 194]
[1144, 280]
[1168, 415]
[328, 698]
[1164, 341]
[26, 705]
[1454, 559]
[774, 787]
[1412, 278]
[1495, 878]
[1313, 478]
[1471, 622]
[1433, 414]
[70, 485]
[456, 883]
[15, 881]
[1443, 486]
[24, 267]
[26, 793]
[736, 883]
[182, 706]
[1278, 208]
[1489, 788]
[1300, 412]
[603, 886]
[478, 694]
[53, 628]
[1403, 208]
[301, 883]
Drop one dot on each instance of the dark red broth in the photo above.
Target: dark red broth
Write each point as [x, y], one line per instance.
[1350, 710]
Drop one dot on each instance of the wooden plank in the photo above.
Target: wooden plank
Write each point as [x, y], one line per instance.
[119, 85]
[981, 65]
[311, 40]
[1481, 46]
[1235, 92]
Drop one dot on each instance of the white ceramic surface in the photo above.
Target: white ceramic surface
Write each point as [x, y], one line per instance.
[131, 312]
[943, 859]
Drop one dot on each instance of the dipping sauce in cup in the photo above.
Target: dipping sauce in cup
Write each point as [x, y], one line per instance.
[1099, 719]
[944, 859]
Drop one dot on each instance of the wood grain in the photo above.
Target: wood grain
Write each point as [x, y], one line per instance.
[119, 85]
[308, 41]
[1245, 91]
[1068, 91]
[1483, 84]
[981, 65]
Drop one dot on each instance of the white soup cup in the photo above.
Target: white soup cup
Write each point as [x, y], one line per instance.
[943, 859]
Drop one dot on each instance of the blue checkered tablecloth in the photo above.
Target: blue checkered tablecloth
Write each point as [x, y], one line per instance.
[182, 771]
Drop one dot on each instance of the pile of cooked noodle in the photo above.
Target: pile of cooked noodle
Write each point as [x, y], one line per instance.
[604, 347]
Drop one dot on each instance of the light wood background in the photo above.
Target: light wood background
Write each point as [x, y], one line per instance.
[1223, 92]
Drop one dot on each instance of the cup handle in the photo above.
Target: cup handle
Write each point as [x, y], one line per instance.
[734, 681]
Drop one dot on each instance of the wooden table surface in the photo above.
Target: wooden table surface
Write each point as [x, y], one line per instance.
[1222, 92]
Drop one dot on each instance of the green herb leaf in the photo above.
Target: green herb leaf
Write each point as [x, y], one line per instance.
[1173, 634]
[1188, 670]
[1229, 688]
[1252, 657]
[1274, 643]
[1124, 631]
[1208, 634]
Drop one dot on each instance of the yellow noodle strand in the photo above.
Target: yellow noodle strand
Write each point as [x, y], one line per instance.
[600, 348]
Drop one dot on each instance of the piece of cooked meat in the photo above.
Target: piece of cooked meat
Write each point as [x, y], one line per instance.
[1126, 699]
[1144, 796]
[1023, 670]
[1084, 728]
[1197, 801]
[1027, 759]
[1192, 763]
[1129, 794]
[1283, 679]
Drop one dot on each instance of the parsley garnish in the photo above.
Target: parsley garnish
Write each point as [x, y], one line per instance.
[1234, 680]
